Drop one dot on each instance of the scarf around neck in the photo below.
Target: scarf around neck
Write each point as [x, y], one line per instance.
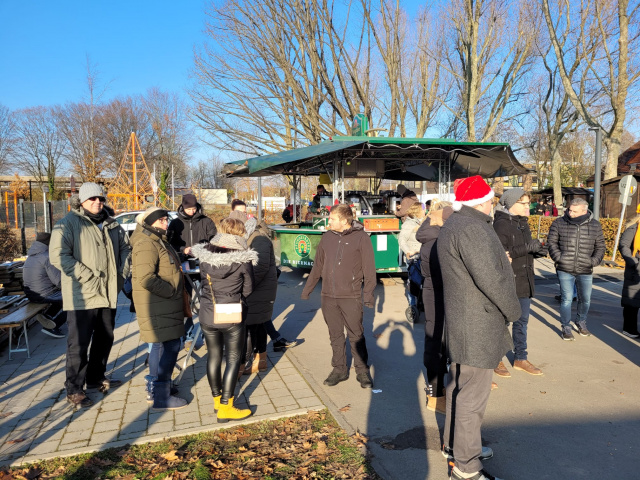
[96, 218]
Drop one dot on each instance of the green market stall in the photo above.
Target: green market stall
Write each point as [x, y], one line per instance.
[403, 159]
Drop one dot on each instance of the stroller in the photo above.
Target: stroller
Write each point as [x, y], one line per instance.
[414, 289]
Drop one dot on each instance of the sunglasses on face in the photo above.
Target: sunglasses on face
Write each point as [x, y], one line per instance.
[96, 199]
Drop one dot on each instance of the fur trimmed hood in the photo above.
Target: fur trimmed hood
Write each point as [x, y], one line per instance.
[219, 257]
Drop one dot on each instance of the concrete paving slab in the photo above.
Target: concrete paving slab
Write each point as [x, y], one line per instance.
[36, 423]
[577, 421]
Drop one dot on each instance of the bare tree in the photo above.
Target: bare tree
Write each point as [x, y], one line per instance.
[280, 74]
[7, 128]
[80, 123]
[411, 65]
[171, 142]
[39, 146]
[613, 28]
[488, 58]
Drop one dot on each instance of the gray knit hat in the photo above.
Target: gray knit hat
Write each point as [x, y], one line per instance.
[88, 190]
[511, 196]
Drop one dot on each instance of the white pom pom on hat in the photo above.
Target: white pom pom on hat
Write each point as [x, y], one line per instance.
[471, 191]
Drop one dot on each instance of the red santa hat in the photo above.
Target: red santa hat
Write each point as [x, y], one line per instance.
[471, 191]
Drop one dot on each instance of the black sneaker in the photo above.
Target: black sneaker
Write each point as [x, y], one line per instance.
[365, 380]
[105, 385]
[631, 334]
[567, 334]
[79, 400]
[582, 329]
[486, 454]
[282, 343]
[335, 377]
[481, 475]
[53, 332]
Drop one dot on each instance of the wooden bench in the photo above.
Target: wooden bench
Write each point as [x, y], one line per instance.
[20, 318]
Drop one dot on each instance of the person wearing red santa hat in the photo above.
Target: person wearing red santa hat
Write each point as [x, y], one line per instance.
[480, 300]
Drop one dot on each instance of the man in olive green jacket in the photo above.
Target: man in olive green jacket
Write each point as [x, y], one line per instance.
[92, 251]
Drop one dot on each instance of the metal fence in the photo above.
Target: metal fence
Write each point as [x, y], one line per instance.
[28, 218]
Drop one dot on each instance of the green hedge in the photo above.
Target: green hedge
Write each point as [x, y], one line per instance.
[609, 229]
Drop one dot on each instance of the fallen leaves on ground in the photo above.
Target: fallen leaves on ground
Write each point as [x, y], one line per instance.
[299, 448]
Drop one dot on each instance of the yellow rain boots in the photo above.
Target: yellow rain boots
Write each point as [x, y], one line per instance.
[229, 412]
[216, 403]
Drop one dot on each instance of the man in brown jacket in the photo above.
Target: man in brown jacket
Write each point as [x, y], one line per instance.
[344, 260]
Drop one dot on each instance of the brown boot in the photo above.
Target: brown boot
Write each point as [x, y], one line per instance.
[437, 404]
[502, 371]
[526, 366]
[252, 366]
[262, 362]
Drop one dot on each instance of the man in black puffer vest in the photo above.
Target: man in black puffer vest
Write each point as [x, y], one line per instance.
[576, 245]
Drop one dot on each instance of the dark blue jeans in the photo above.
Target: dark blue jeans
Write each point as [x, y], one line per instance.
[519, 330]
[162, 359]
[583, 284]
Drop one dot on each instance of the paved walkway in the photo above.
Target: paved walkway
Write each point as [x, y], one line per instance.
[37, 423]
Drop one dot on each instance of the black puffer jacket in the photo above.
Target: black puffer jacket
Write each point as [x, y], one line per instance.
[260, 302]
[631, 285]
[185, 231]
[432, 292]
[226, 274]
[576, 246]
[515, 235]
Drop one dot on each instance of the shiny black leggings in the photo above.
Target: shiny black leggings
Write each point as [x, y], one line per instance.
[233, 339]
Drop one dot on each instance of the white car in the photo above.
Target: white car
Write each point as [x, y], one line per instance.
[127, 220]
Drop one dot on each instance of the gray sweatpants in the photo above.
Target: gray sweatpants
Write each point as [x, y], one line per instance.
[467, 396]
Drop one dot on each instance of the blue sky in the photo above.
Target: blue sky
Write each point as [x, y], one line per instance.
[135, 45]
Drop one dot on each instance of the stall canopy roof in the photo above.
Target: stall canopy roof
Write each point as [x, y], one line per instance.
[402, 158]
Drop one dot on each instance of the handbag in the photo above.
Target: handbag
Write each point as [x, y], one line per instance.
[225, 313]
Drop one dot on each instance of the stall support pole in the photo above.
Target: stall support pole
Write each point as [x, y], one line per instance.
[259, 199]
[336, 184]
[294, 200]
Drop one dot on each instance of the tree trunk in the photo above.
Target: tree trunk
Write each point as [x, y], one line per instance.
[556, 177]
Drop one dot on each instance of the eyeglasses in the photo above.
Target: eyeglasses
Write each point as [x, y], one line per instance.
[96, 199]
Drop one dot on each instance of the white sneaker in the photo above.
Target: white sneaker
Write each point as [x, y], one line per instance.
[481, 475]
[486, 454]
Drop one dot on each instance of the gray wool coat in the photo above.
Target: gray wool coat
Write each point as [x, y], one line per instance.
[479, 290]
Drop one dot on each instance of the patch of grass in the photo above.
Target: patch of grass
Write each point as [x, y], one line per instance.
[280, 449]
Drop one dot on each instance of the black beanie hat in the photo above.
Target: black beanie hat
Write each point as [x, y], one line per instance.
[155, 215]
[43, 237]
[189, 200]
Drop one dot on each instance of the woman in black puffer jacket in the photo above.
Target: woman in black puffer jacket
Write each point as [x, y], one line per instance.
[630, 251]
[226, 272]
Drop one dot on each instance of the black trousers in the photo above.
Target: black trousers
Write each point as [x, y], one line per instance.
[467, 397]
[630, 319]
[435, 355]
[233, 339]
[90, 332]
[340, 314]
[256, 340]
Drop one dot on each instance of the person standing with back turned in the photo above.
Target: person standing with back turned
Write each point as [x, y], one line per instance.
[479, 300]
